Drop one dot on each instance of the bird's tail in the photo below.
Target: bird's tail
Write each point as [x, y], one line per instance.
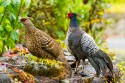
[101, 61]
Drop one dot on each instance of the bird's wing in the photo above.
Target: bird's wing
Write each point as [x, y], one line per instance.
[88, 44]
[98, 59]
[49, 45]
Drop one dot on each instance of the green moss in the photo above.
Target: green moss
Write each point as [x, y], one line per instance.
[45, 67]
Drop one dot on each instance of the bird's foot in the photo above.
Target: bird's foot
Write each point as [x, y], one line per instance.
[73, 65]
[83, 74]
[76, 72]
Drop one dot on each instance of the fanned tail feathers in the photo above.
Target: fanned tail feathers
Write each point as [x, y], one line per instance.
[101, 61]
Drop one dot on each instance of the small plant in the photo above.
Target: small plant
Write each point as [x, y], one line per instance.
[10, 25]
[121, 67]
[21, 77]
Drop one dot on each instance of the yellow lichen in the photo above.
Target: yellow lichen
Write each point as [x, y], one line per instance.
[45, 67]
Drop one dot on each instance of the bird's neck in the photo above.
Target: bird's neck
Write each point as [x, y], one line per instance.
[74, 23]
[29, 29]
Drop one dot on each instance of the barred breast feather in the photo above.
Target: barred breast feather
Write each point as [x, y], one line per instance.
[88, 44]
[42, 45]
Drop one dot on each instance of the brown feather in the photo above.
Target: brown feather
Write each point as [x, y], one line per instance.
[39, 43]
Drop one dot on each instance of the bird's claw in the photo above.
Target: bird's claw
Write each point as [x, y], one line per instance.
[82, 74]
[76, 73]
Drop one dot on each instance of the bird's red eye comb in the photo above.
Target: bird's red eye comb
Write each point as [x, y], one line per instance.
[23, 19]
[69, 15]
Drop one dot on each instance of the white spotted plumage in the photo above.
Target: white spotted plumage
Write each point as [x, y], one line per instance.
[88, 44]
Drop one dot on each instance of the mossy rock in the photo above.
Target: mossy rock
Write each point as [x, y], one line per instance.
[43, 67]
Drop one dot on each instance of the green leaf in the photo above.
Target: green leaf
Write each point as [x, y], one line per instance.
[60, 34]
[8, 28]
[1, 38]
[27, 2]
[5, 3]
[18, 25]
[1, 28]
[1, 9]
[16, 3]
[12, 17]
[10, 43]
[1, 45]
[14, 35]
[6, 21]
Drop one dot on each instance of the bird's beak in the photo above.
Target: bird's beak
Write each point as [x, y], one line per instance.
[78, 15]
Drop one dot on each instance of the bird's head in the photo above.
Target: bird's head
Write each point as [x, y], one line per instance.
[72, 15]
[26, 21]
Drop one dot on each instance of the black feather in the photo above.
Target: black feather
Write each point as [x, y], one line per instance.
[94, 64]
[83, 46]
[107, 60]
[101, 61]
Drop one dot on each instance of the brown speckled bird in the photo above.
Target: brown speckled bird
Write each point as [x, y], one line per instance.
[39, 43]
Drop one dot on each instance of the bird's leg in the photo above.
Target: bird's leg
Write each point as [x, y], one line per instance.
[77, 64]
[83, 66]
[82, 73]
[83, 63]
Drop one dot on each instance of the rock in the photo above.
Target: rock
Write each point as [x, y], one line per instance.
[4, 78]
[43, 79]
[70, 58]
[89, 70]
[66, 52]
[78, 79]
[65, 81]
[98, 80]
